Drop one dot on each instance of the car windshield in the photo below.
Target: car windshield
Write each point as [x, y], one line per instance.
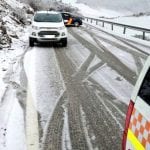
[47, 17]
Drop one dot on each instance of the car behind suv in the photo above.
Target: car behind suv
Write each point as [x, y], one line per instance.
[48, 26]
[70, 19]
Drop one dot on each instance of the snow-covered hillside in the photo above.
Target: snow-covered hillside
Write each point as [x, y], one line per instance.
[86, 10]
[125, 6]
[139, 19]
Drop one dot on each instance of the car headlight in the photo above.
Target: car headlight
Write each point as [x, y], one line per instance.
[35, 27]
[61, 28]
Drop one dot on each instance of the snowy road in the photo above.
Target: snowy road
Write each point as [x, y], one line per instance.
[77, 96]
[82, 91]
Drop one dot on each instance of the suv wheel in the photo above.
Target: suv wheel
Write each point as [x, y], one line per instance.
[31, 42]
[64, 42]
[76, 24]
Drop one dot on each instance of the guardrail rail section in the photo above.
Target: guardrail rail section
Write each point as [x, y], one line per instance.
[143, 30]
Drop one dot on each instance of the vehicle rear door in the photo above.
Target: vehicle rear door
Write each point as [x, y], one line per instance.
[66, 17]
[138, 137]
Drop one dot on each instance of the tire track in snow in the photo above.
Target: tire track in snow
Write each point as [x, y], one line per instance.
[109, 58]
[136, 55]
[128, 42]
[139, 64]
[137, 60]
[128, 49]
[77, 135]
[82, 72]
[94, 68]
[88, 139]
[99, 121]
[119, 106]
[97, 116]
[52, 138]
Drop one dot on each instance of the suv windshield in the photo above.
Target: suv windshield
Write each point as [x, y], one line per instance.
[47, 17]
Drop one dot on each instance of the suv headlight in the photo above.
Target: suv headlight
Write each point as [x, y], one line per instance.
[61, 28]
[35, 27]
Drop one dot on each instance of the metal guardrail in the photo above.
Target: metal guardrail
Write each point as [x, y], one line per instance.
[143, 30]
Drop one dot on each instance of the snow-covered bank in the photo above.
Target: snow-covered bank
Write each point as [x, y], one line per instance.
[13, 46]
[12, 97]
[141, 21]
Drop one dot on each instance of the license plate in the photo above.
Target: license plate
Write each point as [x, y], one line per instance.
[49, 36]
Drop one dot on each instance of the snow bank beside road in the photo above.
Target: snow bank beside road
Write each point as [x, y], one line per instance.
[13, 45]
[44, 78]
[142, 21]
[12, 98]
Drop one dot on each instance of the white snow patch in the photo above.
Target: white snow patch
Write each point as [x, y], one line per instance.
[142, 21]
[44, 79]
[66, 141]
[12, 131]
[84, 123]
[107, 78]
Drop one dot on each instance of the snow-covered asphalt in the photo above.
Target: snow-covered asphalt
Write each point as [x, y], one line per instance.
[77, 96]
[81, 92]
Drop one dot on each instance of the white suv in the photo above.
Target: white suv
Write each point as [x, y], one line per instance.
[48, 26]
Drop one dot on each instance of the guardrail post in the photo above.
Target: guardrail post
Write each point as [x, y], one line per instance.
[91, 20]
[112, 26]
[96, 22]
[124, 30]
[103, 24]
[87, 19]
[143, 35]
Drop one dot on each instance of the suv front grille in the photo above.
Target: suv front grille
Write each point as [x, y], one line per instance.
[49, 28]
[42, 33]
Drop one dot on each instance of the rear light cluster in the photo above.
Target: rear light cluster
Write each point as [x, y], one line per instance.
[127, 122]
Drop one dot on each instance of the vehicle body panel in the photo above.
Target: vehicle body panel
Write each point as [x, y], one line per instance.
[138, 134]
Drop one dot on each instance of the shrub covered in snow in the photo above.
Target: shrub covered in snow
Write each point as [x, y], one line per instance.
[20, 15]
[36, 4]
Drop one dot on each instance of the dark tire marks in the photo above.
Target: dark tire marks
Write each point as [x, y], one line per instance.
[109, 58]
[77, 135]
[52, 138]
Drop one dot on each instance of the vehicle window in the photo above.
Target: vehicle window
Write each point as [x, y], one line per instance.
[144, 92]
[46, 17]
[66, 16]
